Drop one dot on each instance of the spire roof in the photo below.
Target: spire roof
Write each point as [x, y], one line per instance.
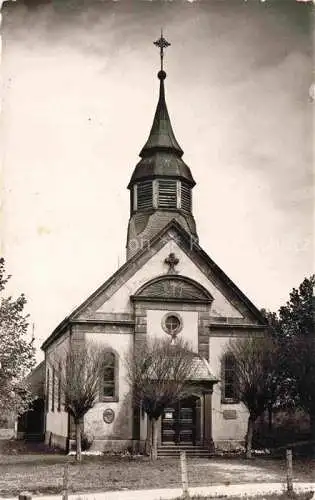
[161, 156]
[161, 137]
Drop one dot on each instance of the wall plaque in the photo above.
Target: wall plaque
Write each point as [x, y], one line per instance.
[108, 415]
[229, 414]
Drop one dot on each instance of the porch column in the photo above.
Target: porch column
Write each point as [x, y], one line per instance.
[207, 433]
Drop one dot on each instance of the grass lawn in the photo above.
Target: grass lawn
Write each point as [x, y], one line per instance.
[283, 496]
[42, 474]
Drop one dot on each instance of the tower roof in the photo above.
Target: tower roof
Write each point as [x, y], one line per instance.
[161, 137]
[161, 156]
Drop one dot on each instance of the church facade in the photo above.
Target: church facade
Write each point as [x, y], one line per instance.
[168, 286]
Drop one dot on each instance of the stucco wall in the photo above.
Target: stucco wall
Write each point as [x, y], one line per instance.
[56, 421]
[224, 429]
[119, 301]
[121, 427]
[189, 330]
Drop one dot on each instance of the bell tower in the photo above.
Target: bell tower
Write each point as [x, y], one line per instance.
[161, 184]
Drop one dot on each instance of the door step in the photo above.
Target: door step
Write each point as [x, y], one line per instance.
[191, 451]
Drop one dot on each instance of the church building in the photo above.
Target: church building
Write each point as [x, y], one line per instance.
[168, 286]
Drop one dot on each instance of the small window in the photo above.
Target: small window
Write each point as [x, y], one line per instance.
[144, 195]
[109, 381]
[167, 193]
[47, 390]
[229, 392]
[172, 324]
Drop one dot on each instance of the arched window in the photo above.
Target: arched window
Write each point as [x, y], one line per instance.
[229, 379]
[109, 383]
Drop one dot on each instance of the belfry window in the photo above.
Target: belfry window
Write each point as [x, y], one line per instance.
[167, 193]
[109, 382]
[185, 197]
[144, 195]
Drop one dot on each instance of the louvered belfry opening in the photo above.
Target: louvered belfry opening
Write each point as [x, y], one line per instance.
[186, 197]
[145, 195]
[167, 193]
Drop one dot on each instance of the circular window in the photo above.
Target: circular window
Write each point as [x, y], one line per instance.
[172, 324]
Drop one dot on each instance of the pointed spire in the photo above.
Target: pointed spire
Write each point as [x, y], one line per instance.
[161, 137]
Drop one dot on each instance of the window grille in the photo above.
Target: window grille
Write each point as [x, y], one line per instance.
[109, 376]
[144, 195]
[230, 393]
[167, 194]
[185, 197]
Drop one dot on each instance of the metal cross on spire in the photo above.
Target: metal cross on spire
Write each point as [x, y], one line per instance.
[162, 44]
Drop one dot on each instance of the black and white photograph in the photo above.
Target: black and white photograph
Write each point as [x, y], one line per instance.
[157, 333]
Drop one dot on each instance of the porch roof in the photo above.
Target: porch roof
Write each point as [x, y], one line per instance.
[201, 371]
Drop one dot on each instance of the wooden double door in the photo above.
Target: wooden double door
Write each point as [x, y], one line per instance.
[179, 423]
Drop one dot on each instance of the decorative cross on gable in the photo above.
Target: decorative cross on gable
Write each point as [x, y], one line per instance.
[171, 261]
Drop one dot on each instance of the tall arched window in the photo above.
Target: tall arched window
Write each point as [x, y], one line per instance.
[109, 383]
[229, 379]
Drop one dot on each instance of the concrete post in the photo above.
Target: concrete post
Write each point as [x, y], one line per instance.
[25, 495]
[289, 471]
[183, 466]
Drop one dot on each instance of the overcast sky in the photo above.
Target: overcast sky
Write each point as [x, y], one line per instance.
[79, 95]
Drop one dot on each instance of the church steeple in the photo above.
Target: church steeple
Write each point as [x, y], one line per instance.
[161, 183]
[161, 136]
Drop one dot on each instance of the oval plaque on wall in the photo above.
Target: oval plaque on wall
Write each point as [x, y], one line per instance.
[108, 415]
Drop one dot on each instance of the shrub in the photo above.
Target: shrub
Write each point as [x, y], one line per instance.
[86, 441]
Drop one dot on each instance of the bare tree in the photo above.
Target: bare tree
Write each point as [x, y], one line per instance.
[79, 372]
[256, 374]
[158, 372]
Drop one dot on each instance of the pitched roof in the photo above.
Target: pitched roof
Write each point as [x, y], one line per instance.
[210, 268]
[201, 370]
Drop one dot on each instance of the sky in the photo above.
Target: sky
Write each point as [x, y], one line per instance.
[79, 91]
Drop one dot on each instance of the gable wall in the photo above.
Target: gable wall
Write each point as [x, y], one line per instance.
[119, 301]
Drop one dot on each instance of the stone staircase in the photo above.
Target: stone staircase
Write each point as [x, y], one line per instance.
[192, 451]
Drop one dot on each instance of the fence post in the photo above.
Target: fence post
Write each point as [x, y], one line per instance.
[183, 466]
[25, 495]
[289, 471]
[65, 482]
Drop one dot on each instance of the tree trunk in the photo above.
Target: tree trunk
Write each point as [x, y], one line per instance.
[78, 455]
[312, 429]
[154, 439]
[270, 418]
[249, 436]
[148, 441]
